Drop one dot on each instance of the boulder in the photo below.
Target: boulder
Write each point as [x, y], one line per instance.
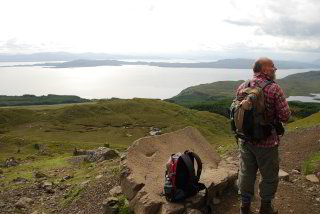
[142, 174]
[100, 154]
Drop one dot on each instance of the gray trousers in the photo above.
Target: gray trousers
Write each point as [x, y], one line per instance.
[266, 160]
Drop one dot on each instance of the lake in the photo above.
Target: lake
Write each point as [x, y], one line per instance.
[115, 81]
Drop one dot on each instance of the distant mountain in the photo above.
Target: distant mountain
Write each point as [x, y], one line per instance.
[65, 56]
[225, 63]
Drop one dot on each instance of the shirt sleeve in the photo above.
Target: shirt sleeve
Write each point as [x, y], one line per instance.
[282, 107]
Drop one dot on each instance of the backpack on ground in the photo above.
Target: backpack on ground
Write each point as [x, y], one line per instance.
[247, 113]
[181, 181]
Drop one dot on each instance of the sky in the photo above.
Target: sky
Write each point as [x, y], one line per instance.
[285, 29]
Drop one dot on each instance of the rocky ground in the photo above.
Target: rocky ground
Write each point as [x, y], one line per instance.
[297, 195]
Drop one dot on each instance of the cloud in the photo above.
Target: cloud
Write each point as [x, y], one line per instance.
[13, 45]
[241, 23]
[289, 27]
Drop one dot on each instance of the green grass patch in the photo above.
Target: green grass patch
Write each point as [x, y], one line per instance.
[312, 164]
[72, 195]
[307, 122]
[124, 205]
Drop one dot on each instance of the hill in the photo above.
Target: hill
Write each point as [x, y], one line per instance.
[217, 96]
[29, 99]
[300, 84]
[115, 122]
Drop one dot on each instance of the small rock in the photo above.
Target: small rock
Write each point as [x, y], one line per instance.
[2, 204]
[11, 162]
[283, 175]
[39, 174]
[312, 178]
[318, 199]
[23, 202]
[99, 176]
[67, 177]
[46, 184]
[311, 189]
[20, 180]
[115, 191]
[296, 171]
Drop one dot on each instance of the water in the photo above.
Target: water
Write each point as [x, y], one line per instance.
[115, 81]
[305, 98]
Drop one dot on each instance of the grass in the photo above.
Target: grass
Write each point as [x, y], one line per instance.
[27, 168]
[72, 195]
[87, 126]
[307, 122]
[312, 164]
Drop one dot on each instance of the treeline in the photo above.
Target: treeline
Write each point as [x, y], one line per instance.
[220, 106]
[29, 99]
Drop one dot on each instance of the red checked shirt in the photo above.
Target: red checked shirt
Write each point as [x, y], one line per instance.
[275, 104]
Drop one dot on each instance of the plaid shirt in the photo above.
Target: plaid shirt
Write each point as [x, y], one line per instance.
[276, 107]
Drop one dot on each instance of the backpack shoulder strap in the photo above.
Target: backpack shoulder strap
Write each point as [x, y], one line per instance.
[265, 83]
[199, 164]
[247, 83]
[187, 160]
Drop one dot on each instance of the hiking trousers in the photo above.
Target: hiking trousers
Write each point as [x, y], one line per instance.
[266, 160]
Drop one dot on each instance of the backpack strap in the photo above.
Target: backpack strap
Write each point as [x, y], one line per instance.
[187, 160]
[199, 164]
[247, 83]
[265, 83]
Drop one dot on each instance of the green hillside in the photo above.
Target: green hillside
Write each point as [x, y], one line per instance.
[115, 122]
[300, 84]
[307, 122]
[217, 96]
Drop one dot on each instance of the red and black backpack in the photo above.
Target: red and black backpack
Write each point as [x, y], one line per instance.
[181, 181]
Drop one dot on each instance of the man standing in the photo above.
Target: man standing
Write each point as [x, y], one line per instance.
[263, 155]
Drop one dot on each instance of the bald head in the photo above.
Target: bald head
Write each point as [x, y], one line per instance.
[260, 63]
[265, 66]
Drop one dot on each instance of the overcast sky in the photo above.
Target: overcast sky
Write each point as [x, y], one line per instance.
[286, 29]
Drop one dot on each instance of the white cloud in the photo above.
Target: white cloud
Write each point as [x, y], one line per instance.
[155, 26]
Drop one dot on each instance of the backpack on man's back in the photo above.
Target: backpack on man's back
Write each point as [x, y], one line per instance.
[247, 113]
